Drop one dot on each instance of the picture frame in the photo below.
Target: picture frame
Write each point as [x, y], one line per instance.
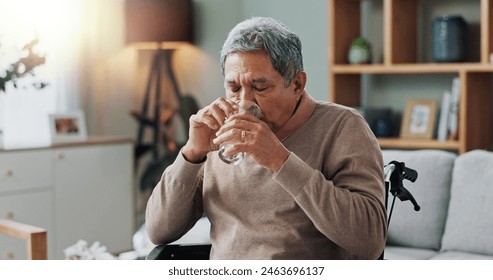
[419, 119]
[67, 127]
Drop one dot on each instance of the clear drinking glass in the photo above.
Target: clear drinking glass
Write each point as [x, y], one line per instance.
[243, 106]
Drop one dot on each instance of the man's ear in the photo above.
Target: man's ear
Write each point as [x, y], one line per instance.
[299, 81]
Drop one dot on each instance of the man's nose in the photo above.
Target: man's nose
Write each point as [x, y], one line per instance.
[246, 94]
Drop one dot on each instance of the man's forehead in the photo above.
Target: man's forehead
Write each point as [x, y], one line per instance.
[251, 67]
[250, 77]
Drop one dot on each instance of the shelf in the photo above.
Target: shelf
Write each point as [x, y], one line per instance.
[399, 143]
[421, 68]
[405, 46]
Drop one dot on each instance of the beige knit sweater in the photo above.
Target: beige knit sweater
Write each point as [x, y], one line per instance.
[326, 202]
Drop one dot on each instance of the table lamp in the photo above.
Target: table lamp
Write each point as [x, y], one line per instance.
[161, 25]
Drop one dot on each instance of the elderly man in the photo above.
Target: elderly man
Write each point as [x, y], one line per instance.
[311, 183]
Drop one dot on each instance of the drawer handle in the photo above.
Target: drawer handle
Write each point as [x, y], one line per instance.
[10, 255]
[61, 155]
[9, 173]
[9, 215]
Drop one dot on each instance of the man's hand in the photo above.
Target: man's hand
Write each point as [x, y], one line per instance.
[203, 127]
[258, 141]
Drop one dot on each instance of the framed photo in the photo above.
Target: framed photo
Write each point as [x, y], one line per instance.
[419, 119]
[68, 127]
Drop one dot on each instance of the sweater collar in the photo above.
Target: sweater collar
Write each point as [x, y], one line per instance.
[300, 116]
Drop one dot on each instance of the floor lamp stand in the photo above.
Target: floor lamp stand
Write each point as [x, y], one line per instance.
[150, 117]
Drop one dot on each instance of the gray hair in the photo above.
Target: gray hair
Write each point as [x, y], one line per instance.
[266, 34]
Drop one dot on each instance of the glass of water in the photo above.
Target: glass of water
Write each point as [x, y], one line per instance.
[243, 106]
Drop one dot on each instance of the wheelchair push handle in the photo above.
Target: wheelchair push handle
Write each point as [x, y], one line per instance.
[395, 173]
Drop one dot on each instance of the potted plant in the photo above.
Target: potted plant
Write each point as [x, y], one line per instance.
[22, 67]
[17, 70]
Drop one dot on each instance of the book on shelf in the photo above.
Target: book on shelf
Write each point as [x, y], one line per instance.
[454, 108]
[443, 126]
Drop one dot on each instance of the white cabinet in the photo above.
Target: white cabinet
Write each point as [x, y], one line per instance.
[93, 188]
[77, 191]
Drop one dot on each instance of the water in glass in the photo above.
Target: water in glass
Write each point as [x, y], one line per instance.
[243, 106]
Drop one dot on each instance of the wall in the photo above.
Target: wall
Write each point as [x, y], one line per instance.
[113, 75]
[309, 20]
[114, 78]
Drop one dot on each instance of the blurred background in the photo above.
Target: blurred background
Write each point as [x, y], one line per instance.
[90, 66]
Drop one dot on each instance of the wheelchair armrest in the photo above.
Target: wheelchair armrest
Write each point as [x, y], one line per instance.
[180, 252]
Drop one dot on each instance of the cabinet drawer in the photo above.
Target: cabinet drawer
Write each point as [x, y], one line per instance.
[31, 208]
[25, 169]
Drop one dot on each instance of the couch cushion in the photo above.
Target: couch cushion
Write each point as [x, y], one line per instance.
[407, 253]
[469, 224]
[422, 229]
[454, 255]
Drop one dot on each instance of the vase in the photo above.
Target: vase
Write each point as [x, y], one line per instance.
[359, 51]
[24, 118]
[449, 37]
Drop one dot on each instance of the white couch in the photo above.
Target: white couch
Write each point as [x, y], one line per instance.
[456, 198]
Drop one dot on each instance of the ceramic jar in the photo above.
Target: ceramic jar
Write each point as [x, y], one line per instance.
[449, 39]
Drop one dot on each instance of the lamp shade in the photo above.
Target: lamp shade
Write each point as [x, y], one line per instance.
[158, 21]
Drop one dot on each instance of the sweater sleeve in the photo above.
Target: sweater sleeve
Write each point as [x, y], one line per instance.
[344, 200]
[175, 204]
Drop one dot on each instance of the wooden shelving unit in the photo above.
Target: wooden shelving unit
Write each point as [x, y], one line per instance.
[400, 44]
